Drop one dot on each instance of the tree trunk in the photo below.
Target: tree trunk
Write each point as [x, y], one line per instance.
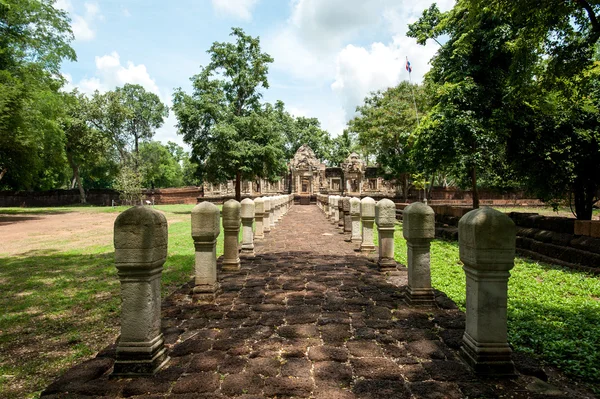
[77, 178]
[3, 172]
[474, 188]
[585, 196]
[238, 186]
[405, 188]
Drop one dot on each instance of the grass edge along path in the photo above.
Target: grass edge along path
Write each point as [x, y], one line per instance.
[553, 312]
[63, 307]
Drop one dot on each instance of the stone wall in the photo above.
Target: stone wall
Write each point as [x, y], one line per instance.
[100, 197]
[559, 240]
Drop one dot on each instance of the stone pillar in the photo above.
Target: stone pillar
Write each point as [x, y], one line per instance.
[231, 228]
[326, 206]
[272, 211]
[347, 217]
[140, 239]
[267, 215]
[340, 205]
[487, 249]
[355, 216]
[418, 228]
[259, 210]
[247, 214]
[367, 217]
[336, 210]
[385, 217]
[206, 227]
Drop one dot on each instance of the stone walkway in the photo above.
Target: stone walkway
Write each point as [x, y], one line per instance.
[308, 317]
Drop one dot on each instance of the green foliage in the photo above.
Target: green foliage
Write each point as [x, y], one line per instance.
[129, 184]
[34, 39]
[159, 167]
[386, 124]
[126, 116]
[231, 134]
[341, 147]
[515, 86]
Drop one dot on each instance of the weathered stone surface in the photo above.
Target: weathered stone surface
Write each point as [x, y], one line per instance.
[259, 214]
[385, 217]
[206, 227]
[231, 227]
[140, 237]
[367, 216]
[247, 214]
[487, 249]
[355, 333]
[418, 228]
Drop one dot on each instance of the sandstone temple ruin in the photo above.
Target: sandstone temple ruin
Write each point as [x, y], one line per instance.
[308, 176]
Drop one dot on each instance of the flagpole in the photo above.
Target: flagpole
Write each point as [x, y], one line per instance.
[412, 89]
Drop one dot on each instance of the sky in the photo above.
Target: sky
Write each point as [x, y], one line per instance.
[329, 54]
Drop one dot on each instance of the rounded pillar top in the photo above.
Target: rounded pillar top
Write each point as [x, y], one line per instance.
[205, 222]
[367, 207]
[418, 221]
[267, 204]
[140, 238]
[259, 205]
[346, 204]
[385, 213]
[247, 211]
[354, 206]
[232, 214]
[487, 240]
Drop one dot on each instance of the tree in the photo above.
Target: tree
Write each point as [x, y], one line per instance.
[386, 124]
[84, 145]
[341, 146]
[127, 115]
[468, 85]
[232, 136]
[145, 112]
[158, 166]
[34, 40]
[519, 77]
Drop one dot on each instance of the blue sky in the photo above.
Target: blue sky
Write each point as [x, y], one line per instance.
[329, 54]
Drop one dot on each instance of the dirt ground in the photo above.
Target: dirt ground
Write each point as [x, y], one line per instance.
[26, 234]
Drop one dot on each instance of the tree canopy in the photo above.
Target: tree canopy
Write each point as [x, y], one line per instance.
[232, 135]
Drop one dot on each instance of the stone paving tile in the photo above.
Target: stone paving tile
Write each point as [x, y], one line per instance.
[307, 317]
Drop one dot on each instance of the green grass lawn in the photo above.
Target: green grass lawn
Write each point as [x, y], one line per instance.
[553, 312]
[62, 307]
[542, 210]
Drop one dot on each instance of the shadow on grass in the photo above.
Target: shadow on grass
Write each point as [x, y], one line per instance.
[566, 335]
[58, 309]
[7, 220]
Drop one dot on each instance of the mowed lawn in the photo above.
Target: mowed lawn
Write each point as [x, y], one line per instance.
[60, 306]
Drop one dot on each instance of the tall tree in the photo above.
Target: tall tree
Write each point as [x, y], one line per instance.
[232, 136]
[34, 40]
[518, 80]
[386, 125]
[84, 145]
[158, 166]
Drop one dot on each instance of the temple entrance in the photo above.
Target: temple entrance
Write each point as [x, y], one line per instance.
[305, 185]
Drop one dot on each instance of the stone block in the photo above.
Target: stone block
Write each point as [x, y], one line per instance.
[206, 227]
[231, 228]
[140, 239]
[583, 228]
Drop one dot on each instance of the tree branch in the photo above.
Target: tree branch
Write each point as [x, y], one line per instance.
[593, 18]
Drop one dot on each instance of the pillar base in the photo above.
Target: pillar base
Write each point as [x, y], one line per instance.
[247, 253]
[206, 292]
[367, 248]
[386, 265]
[488, 359]
[419, 298]
[231, 266]
[356, 240]
[138, 359]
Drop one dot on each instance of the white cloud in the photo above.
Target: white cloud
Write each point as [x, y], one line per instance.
[125, 12]
[241, 9]
[81, 23]
[360, 71]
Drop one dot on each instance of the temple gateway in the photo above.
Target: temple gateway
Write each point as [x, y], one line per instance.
[307, 176]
